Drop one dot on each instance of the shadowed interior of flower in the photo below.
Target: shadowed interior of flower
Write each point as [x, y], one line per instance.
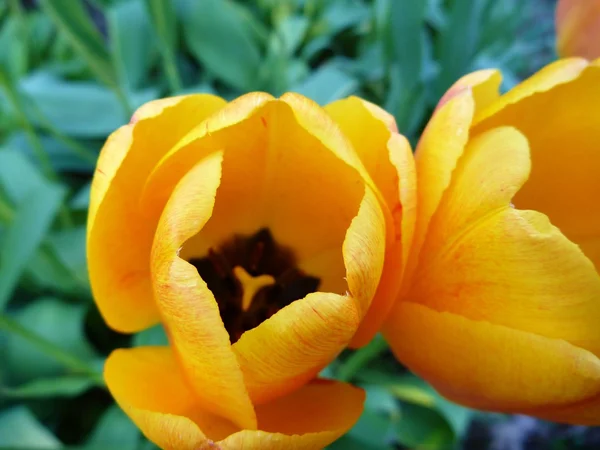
[252, 277]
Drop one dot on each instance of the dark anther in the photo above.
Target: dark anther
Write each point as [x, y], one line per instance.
[252, 278]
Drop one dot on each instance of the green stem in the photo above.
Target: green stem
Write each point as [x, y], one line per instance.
[122, 97]
[361, 358]
[173, 77]
[71, 362]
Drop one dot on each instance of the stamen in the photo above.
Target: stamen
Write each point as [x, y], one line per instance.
[251, 285]
[252, 277]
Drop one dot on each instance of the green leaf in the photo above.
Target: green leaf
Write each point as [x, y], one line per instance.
[81, 200]
[73, 20]
[421, 427]
[61, 158]
[164, 19]
[220, 37]
[82, 109]
[46, 272]
[41, 35]
[361, 358]
[340, 15]
[20, 429]
[114, 430]
[413, 390]
[133, 42]
[374, 430]
[25, 233]
[69, 247]
[150, 337]
[326, 84]
[13, 57]
[18, 176]
[68, 386]
[406, 28]
[56, 322]
[459, 41]
[292, 31]
[423, 402]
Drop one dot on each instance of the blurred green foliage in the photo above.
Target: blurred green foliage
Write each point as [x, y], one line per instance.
[72, 71]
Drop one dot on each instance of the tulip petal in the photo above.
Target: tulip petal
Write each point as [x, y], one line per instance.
[438, 152]
[489, 366]
[548, 78]
[488, 261]
[578, 28]
[387, 157]
[189, 310]
[564, 182]
[585, 412]
[198, 143]
[148, 385]
[484, 85]
[317, 122]
[119, 273]
[268, 182]
[301, 339]
[308, 419]
[364, 251]
[293, 345]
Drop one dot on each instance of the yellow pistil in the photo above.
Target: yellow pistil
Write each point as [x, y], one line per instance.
[251, 285]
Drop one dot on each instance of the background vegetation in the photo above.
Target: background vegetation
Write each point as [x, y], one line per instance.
[71, 71]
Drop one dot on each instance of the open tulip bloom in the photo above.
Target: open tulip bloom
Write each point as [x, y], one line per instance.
[267, 235]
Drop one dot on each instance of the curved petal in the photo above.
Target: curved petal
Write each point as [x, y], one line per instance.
[198, 142]
[293, 345]
[564, 182]
[119, 274]
[438, 152]
[316, 121]
[188, 308]
[366, 127]
[489, 366]
[484, 85]
[548, 78]
[387, 157]
[148, 385]
[585, 412]
[296, 343]
[303, 193]
[309, 419]
[578, 28]
[364, 251]
[485, 260]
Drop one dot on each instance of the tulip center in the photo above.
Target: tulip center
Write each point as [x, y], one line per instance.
[252, 277]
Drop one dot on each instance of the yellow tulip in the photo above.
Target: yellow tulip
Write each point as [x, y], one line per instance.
[578, 28]
[500, 307]
[265, 235]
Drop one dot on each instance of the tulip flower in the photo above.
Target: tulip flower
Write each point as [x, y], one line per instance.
[500, 305]
[578, 28]
[265, 235]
